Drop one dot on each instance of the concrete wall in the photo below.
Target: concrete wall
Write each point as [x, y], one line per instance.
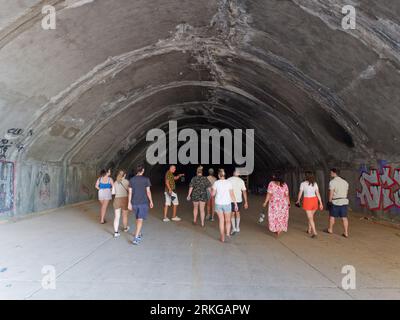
[29, 187]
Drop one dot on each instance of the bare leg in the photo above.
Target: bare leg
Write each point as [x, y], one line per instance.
[221, 226]
[195, 211]
[125, 218]
[331, 224]
[139, 225]
[101, 211]
[165, 211]
[209, 208]
[212, 207]
[346, 226]
[104, 209]
[174, 211]
[228, 223]
[116, 219]
[311, 223]
[202, 212]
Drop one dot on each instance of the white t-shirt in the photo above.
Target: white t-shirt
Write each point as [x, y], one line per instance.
[309, 190]
[340, 189]
[238, 186]
[222, 188]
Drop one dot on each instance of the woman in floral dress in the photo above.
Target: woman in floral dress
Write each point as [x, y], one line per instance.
[279, 203]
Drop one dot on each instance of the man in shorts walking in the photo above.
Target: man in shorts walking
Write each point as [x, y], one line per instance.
[171, 198]
[338, 202]
[139, 200]
[239, 189]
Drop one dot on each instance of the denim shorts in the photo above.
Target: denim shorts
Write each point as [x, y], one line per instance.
[223, 208]
[338, 211]
[141, 211]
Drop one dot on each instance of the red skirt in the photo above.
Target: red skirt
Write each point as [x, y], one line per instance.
[310, 204]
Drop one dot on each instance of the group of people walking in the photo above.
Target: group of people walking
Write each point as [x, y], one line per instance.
[278, 201]
[223, 196]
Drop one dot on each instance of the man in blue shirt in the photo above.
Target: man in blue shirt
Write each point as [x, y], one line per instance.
[139, 200]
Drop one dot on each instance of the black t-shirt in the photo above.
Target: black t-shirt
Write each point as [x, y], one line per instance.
[139, 185]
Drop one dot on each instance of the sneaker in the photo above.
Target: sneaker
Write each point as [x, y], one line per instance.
[176, 219]
[135, 241]
[127, 229]
[166, 220]
[237, 230]
[140, 237]
[233, 232]
[116, 234]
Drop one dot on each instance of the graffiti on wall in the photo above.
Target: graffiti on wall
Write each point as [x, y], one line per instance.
[42, 182]
[379, 189]
[6, 186]
[13, 138]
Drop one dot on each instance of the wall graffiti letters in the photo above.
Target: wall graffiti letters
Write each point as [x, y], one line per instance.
[13, 137]
[380, 189]
[4, 146]
[43, 184]
[6, 186]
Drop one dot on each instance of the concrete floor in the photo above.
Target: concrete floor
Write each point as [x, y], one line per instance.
[180, 261]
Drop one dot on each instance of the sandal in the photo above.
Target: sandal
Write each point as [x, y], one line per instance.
[327, 231]
[343, 235]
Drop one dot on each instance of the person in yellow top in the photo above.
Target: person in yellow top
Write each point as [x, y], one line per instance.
[171, 198]
[338, 202]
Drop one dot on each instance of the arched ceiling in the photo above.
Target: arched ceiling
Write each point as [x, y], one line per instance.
[112, 70]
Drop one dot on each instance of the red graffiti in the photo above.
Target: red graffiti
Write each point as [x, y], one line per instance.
[380, 190]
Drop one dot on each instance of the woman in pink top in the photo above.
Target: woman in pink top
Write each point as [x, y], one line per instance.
[279, 203]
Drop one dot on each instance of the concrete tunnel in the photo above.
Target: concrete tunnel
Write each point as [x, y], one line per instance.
[83, 96]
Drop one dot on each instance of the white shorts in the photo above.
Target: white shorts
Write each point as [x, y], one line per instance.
[169, 201]
[105, 194]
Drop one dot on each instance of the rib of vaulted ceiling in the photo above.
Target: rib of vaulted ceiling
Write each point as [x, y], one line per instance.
[90, 90]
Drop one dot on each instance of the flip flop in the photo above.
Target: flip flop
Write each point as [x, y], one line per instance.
[327, 231]
[343, 235]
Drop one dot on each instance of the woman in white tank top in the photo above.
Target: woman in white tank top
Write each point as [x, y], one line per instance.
[311, 201]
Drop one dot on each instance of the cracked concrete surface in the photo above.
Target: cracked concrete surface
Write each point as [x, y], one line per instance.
[180, 261]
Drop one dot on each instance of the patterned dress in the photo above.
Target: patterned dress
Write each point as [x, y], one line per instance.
[278, 210]
[199, 185]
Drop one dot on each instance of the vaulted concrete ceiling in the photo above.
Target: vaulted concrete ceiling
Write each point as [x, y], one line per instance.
[91, 89]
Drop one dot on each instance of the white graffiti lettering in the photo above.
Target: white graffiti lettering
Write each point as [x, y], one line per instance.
[380, 191]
